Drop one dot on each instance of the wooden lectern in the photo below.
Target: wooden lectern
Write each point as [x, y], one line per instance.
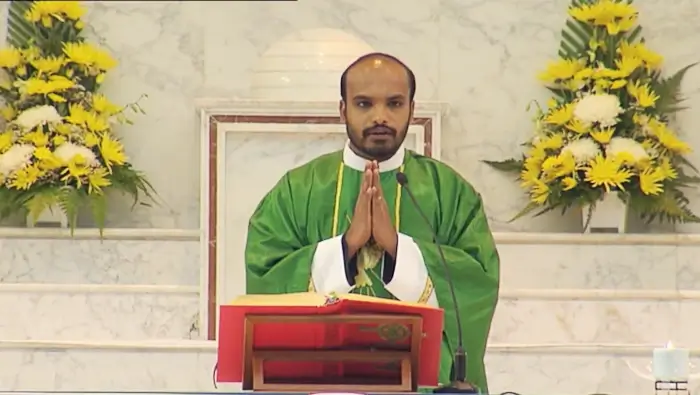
[311, 343]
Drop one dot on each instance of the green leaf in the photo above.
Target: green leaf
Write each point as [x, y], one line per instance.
[669, 91]
[525, 211]
[71, 200]
[42, 200]
[20, 31]
[511, 165]
[98, 206]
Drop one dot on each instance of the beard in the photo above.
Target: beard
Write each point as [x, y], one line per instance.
[379, 151]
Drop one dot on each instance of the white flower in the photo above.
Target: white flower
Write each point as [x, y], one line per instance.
[583, 150]
[626, 147]
[601, 109]
[35, 116]
[16, 158]
[67, 151]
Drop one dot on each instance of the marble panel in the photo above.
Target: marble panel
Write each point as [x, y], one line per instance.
[590, 266]
[98, 316]
[75, 261]
[527, 321]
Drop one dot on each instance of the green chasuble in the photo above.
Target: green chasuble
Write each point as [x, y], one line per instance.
[314, 203]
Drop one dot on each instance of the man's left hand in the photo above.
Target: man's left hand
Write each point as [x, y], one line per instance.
[383, 230]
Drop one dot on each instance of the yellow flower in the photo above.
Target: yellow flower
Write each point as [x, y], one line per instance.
[643, 94]
[36, 138]
[627, 65]
[577, 126]
[25, 178]
[8, 113]
[58, 140]
[46, 159]
[650, 181]
[651, 59]
[603, 136]
[97, 180]
[554, 141]
[6, 140]
[667, 138]
[44, 10]
[112, 152]
[561, 70]
[49, 65]
[91, 140]
[102, 105]
[31, 53]
[539, 192]
[10, 58]
[86, 55]
[568, 183]
[606, 172]
[666, 168]
[55, 83]
[618, 84]
[615, 16]
[87, 119]
[560, 116]
[75, 169]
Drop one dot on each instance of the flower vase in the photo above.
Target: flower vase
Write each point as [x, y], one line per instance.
[51, 217]
[608, 215]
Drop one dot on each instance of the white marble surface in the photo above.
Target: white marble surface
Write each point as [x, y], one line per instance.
[526, 321]
[590, 266]
[479, 57]
[81, 261]
[98, 316]
[528, 373]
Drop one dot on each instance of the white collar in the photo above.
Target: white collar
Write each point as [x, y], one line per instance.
[354, 161]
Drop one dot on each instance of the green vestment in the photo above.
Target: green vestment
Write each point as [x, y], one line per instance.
[299, 212]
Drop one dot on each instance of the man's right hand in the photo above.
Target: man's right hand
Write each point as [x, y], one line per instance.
[360, 229]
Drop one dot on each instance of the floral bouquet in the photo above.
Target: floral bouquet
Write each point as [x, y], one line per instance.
[57, 147]
[606, 129]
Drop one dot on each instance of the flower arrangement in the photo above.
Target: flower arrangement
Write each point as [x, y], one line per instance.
[606, 129]
[57, 146]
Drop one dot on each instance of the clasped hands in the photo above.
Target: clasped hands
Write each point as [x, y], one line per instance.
[371, 218]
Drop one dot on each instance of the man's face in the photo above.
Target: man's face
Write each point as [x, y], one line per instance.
[378, 110]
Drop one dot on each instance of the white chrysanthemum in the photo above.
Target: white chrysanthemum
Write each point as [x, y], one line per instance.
[67, 151]
[583, 150]
[626, 147]
[17, 157]
[601, 109]
[35, 116]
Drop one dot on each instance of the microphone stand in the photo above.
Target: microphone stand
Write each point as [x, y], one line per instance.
[459, 382]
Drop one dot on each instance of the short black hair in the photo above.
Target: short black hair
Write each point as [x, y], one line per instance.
[409, 73]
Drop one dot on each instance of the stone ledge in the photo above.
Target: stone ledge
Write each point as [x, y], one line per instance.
[209, 346]
[567, 373]
[502, 238]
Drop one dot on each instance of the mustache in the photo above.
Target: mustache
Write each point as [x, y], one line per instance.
[379, 130]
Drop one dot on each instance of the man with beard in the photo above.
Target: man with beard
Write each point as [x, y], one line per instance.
[339, 223]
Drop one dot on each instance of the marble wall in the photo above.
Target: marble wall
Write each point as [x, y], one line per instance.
[479, 57]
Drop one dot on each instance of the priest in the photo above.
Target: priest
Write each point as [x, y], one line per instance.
[341, 223]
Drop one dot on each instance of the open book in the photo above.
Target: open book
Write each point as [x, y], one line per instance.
[283, 335]
[309, 299]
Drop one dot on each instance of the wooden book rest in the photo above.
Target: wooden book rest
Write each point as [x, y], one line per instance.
[405, 360]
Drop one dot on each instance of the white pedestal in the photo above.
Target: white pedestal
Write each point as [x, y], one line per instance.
[609, 215]
[52, 217]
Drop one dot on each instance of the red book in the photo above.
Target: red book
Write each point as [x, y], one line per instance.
[318, 336]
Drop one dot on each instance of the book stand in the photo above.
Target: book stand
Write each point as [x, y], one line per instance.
[406, 359]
